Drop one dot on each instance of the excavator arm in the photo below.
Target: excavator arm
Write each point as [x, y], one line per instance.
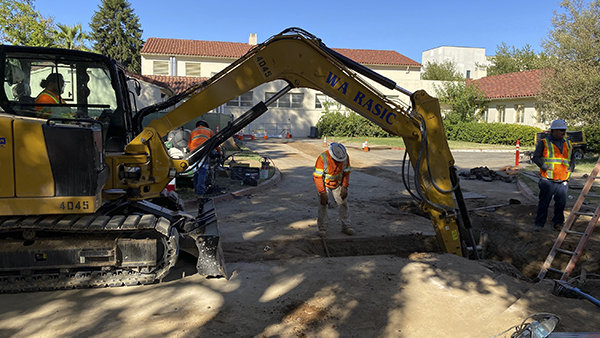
[303, 61]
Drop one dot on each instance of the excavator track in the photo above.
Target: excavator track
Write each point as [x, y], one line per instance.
[78, 251]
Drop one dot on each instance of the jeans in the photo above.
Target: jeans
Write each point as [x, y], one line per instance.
[323, 219]
[200, 180]
[549, 190]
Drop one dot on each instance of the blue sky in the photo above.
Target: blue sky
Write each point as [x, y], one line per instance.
[408, 27]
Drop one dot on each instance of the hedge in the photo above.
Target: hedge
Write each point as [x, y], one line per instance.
[353, 125]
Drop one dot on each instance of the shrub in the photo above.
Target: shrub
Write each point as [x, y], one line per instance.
[491, 133]
[349, 125]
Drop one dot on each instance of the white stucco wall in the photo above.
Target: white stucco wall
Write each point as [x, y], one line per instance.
[510, 116]
[465, 58]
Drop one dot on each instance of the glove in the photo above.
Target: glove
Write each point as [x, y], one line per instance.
[545, 167]
[344, 192]
[324, 198]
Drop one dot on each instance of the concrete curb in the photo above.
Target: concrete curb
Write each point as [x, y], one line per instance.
[524, 189]
[244, 192]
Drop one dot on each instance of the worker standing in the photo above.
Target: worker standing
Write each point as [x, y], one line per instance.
[554, 156]
[332, 175]
[198, 136]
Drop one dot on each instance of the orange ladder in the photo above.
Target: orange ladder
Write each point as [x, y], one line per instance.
[569, 229]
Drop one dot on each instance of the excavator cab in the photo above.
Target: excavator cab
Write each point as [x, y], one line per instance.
[88, 89]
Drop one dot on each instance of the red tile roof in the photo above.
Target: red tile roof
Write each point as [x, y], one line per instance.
[160, 46]
[178, 83]
[377, 57]
[148, 78]
[511, 85]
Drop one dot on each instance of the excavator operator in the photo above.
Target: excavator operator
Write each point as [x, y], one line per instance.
[332, 175]
[53, 86]
[198, 136]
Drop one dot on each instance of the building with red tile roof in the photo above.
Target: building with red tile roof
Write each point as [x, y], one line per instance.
[182, 63]
[511, 98]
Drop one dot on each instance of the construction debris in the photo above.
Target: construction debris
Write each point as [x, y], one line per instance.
[506, 174]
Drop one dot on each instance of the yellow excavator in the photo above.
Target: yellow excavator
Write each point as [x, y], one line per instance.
[82, 186]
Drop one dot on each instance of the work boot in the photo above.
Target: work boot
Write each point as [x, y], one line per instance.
[348, 231]
[322, 233]
[557, 227]
[537, 228]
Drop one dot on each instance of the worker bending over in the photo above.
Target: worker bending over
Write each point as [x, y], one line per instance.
[198, 136]
[332, 175]
[553, 155]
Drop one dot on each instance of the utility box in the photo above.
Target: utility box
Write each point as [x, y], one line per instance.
[314, 132]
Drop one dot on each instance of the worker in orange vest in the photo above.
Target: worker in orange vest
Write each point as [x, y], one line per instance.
[554, 156]
[53, 86]
[198, 136]
[331, 176]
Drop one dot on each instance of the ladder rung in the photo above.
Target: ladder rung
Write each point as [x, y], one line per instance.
[555, 270]
[573, 232]
[566, 251]
[592, 195]
[584, 213]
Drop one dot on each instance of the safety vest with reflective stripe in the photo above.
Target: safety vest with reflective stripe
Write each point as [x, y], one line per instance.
[199, 136]
[331, 173]
[47, 97]
[558, 162]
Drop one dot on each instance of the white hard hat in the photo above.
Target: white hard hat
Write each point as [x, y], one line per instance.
[558, 124]
[338, 152]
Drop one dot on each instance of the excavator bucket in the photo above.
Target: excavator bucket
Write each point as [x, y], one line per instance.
[204, 242]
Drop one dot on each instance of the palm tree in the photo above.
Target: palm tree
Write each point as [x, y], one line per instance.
[71, 37]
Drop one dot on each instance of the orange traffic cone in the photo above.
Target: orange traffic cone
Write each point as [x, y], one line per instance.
[217, 130]
[288, 135]
[325, 141]
[265, 134]
[365, 146]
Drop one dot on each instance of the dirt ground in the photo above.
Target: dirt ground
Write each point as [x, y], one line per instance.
[388, 280]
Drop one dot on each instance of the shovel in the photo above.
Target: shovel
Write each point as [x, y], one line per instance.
[510, 201]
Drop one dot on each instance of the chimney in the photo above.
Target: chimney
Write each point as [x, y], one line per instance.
[252, 39]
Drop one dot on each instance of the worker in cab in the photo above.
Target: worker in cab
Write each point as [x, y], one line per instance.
[332, 176]
[554, 156]
[53, 86]
[198, 136]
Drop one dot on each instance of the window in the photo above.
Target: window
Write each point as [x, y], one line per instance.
[501, 113]
[468, 74]
[192, 69]
[289, 100]
[485, 115]
[160, 67]
[321, 100]
[519, 113]
[244, 100]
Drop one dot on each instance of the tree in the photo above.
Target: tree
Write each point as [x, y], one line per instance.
[445, 71]
[465, 99]
[21, 24]
[71, 37]
[117, 33]
[511, 60]
[571, 88]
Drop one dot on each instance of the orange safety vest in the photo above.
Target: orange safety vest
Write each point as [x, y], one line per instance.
[47, 96]
[557, 161]
[330, 173]
[199, 136]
